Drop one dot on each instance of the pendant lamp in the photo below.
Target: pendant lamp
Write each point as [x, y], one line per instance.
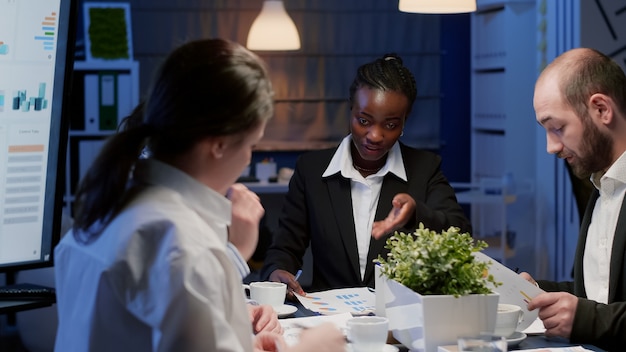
[273, 29]
[437, 6]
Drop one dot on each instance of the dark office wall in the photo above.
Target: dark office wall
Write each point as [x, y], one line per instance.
[312, 84]
[455, 97]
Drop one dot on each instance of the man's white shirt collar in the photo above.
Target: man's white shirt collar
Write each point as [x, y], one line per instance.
[617, 171]
[342, 162]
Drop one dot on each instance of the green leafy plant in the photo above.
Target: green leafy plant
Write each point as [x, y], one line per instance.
[432, 263]
[107, 31]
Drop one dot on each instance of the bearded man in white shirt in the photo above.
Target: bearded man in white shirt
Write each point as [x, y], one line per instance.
[580, 100]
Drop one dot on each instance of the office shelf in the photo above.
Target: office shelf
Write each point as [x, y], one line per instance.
[103, 94]
[478, 197]
[502, 124]
[267, 188]
[490, 200]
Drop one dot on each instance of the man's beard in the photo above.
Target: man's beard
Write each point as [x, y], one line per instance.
[596, 148]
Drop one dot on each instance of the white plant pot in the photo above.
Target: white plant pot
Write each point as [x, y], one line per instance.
[424, 322]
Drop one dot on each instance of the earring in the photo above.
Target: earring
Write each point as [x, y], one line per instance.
[402, 133]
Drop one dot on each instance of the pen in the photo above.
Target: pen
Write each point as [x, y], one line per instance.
[298, 275]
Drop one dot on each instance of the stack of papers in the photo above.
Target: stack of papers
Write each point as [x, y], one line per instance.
[356, 301]
[293, 326]
[514, 289]
[536, 328]
[453, 348]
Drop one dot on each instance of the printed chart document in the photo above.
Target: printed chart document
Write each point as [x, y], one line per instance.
[514, 289]
[536, 328]
[356, 301]
[293, 326]
[452, 348]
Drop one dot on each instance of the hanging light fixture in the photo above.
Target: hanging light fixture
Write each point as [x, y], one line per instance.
[273, 29]
[437, 6]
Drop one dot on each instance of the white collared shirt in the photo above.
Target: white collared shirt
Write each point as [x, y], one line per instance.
[158, 278]
[597, 257]
[365, 191]
[233, 253]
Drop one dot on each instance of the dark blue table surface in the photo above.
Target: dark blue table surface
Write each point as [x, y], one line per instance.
[539, 341]
[532, 341]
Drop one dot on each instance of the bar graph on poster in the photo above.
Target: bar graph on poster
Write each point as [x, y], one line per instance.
[28, 53]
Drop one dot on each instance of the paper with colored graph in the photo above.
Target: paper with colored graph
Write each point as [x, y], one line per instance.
[356, 301]
[514, 289]
[292, 327]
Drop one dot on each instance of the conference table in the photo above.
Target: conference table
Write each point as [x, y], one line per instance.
[530, 342]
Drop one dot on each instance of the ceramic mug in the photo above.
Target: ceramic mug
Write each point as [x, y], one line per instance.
[368, 333]
[267, 292]
[508, 318]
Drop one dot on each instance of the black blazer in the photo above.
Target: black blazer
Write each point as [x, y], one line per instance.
[318, 211]
[603, 325]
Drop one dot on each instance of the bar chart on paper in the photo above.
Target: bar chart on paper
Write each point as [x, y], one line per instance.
[356, 301]
[21, 55]
[36, 41]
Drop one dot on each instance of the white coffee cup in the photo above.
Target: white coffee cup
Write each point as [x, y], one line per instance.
[267, 292]
[264, 171]
[284, 174]
[508, 318]
[368, 333]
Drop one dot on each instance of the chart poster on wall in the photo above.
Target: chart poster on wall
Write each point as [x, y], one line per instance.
[108, 31]
[28, 42]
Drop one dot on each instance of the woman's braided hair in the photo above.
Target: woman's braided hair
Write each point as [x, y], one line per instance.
[386, 73]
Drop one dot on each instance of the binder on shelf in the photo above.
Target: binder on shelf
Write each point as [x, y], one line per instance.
[92, 103]
[124, 96]
[107, 101]
[77, 102]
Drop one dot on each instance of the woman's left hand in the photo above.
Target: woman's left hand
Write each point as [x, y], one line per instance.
[264, 318]
[247, 212]
[403, 208]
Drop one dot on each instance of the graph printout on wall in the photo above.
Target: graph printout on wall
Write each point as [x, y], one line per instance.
[35, 44]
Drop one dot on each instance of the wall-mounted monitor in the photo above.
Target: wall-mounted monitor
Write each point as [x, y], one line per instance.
[37, 38]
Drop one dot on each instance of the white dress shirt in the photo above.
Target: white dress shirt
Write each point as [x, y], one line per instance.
[365, 191]
[235, 257]
[233, 253]
[158, 278]
[597, 257]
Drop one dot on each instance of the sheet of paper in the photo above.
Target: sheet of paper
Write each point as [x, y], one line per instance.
[514, 289]
[293, 326]
[453, 348]
[536, 328]
[560, 349]
[356, 301]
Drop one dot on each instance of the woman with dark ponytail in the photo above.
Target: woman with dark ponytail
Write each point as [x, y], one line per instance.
[145, 266]
[345, 202]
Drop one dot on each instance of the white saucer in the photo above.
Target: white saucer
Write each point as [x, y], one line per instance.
[285, 310]
[515, 339]
[387, 348]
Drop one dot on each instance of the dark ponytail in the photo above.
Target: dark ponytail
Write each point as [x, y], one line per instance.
[101, 191]
[208, 87]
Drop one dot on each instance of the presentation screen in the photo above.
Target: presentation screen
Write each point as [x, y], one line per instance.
[36, 58]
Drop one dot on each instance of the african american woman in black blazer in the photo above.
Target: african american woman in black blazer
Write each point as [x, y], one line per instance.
[346, 201]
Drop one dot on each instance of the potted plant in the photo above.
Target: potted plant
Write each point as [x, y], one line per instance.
[433, 289]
